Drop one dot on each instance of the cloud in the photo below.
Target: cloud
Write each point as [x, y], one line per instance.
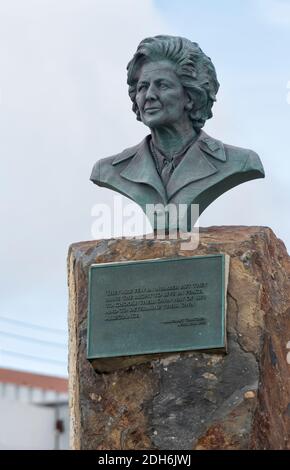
[275, 12]
[64, 105]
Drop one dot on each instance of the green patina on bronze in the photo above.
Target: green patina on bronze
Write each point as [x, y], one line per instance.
[153, 306]
[173, 86]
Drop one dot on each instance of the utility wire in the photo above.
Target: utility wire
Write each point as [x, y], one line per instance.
[32, 325]
[30, 339]
[30, 356]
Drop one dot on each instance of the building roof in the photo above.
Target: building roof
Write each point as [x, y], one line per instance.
[28, 379]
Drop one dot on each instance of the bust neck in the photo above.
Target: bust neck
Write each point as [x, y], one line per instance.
[171, 140]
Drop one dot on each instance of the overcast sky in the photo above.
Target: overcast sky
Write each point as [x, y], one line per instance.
[64, 104]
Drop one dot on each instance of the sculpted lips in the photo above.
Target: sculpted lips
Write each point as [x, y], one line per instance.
[152, 108]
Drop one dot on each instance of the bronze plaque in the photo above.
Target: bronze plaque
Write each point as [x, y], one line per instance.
[153, 306]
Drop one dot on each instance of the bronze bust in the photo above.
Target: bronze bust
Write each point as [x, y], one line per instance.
[173, 86]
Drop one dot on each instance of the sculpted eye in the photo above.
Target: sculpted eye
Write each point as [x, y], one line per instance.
[163, 86]
[141, 87]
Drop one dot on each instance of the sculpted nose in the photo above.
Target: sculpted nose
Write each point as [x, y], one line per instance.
[151, 93]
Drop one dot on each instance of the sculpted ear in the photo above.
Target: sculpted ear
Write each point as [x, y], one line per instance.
[189, 103]
[197, 99]
[198, 106]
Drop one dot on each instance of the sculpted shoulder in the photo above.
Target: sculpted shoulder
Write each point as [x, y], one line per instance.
[236, 160]
[245, 160]
[104, 168]
[231, 158]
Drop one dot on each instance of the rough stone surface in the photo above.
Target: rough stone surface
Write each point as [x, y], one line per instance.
[191, 400]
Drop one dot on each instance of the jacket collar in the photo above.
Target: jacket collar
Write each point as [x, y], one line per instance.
[142, 169]
[194, 166]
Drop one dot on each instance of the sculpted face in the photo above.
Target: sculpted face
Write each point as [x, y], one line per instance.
[160, 97]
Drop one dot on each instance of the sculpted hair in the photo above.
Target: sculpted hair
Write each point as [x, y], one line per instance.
[194, 69]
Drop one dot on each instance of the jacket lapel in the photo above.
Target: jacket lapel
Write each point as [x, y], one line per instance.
[142, 169]
[195, 165]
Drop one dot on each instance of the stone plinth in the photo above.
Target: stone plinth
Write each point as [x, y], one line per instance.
[192, 400]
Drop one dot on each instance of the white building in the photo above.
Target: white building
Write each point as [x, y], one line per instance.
[33, 411]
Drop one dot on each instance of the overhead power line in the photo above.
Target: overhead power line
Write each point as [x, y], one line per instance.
[32, 325]
[30, 339]
[30, 356]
